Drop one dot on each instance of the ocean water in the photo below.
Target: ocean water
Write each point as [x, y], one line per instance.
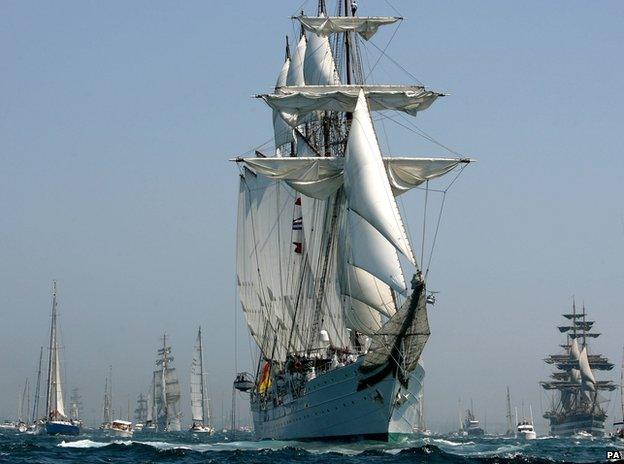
[96, 447]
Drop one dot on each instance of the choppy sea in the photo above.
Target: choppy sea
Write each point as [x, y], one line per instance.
[96, 447]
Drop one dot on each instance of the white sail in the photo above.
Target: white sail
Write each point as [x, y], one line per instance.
[55, 403]
[575, 353]
[295, 76]
[319, 66]
[367, 187]
[58, 389]
[320, 177]
[367, 249]
[269, 260]
[282, 132]
[150, 408]
[294, 102]
[366, 26]
[197, 383]
[586, 373]
[361, 317]
[368, 289]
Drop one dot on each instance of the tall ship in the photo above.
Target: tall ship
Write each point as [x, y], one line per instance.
[199, 393]
[333, 295]
[577, 405]
[107, 403]
[166, 391]
[57, 422]
[140, 412]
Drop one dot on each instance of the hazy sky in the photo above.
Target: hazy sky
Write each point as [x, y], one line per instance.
[117, 120]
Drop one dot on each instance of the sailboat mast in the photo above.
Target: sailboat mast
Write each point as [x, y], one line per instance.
[35, 412]
[509, 418]
[201, 373]
[52, 356]
[622, 385]
[163, 378]
[347, 39]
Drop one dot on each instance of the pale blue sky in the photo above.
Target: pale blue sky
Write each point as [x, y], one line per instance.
[117, 120]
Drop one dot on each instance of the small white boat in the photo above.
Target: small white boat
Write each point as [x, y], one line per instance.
[21, 427]
[583, 434]
[526, 431]
[524, 428]
[200, 428]
[138, 427]
[121, 428]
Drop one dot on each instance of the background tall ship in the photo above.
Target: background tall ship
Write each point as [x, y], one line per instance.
[166, 391]
[323, 256]
[577, 404]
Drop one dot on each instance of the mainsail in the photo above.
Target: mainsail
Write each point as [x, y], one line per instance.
[199, 403]
[55, 405]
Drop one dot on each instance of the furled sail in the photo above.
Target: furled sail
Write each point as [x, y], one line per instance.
[319, 177]
[366, 26]
[367, 187]
[294, 102]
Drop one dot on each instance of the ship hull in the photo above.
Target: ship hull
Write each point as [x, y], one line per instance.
[332, 408]
[61, 428]
[574, 425]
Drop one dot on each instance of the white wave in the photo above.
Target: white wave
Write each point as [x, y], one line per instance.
[442, 441]
[90, 443]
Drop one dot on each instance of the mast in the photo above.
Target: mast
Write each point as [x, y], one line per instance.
[201, 370]
[51, 402]
[35, 411]
[510, 426]
[622, 386]
[163, 377]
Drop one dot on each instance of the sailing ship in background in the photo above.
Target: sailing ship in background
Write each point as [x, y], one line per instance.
[199, 398]
[107, 404]
[577, 405]
[56, 422]
[166, 391]
[140, 413]
[322, 249]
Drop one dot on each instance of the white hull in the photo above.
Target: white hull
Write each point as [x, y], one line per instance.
[527, 435]
[333, 408]
[587, 426]
[120, 433]
[201, 429]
